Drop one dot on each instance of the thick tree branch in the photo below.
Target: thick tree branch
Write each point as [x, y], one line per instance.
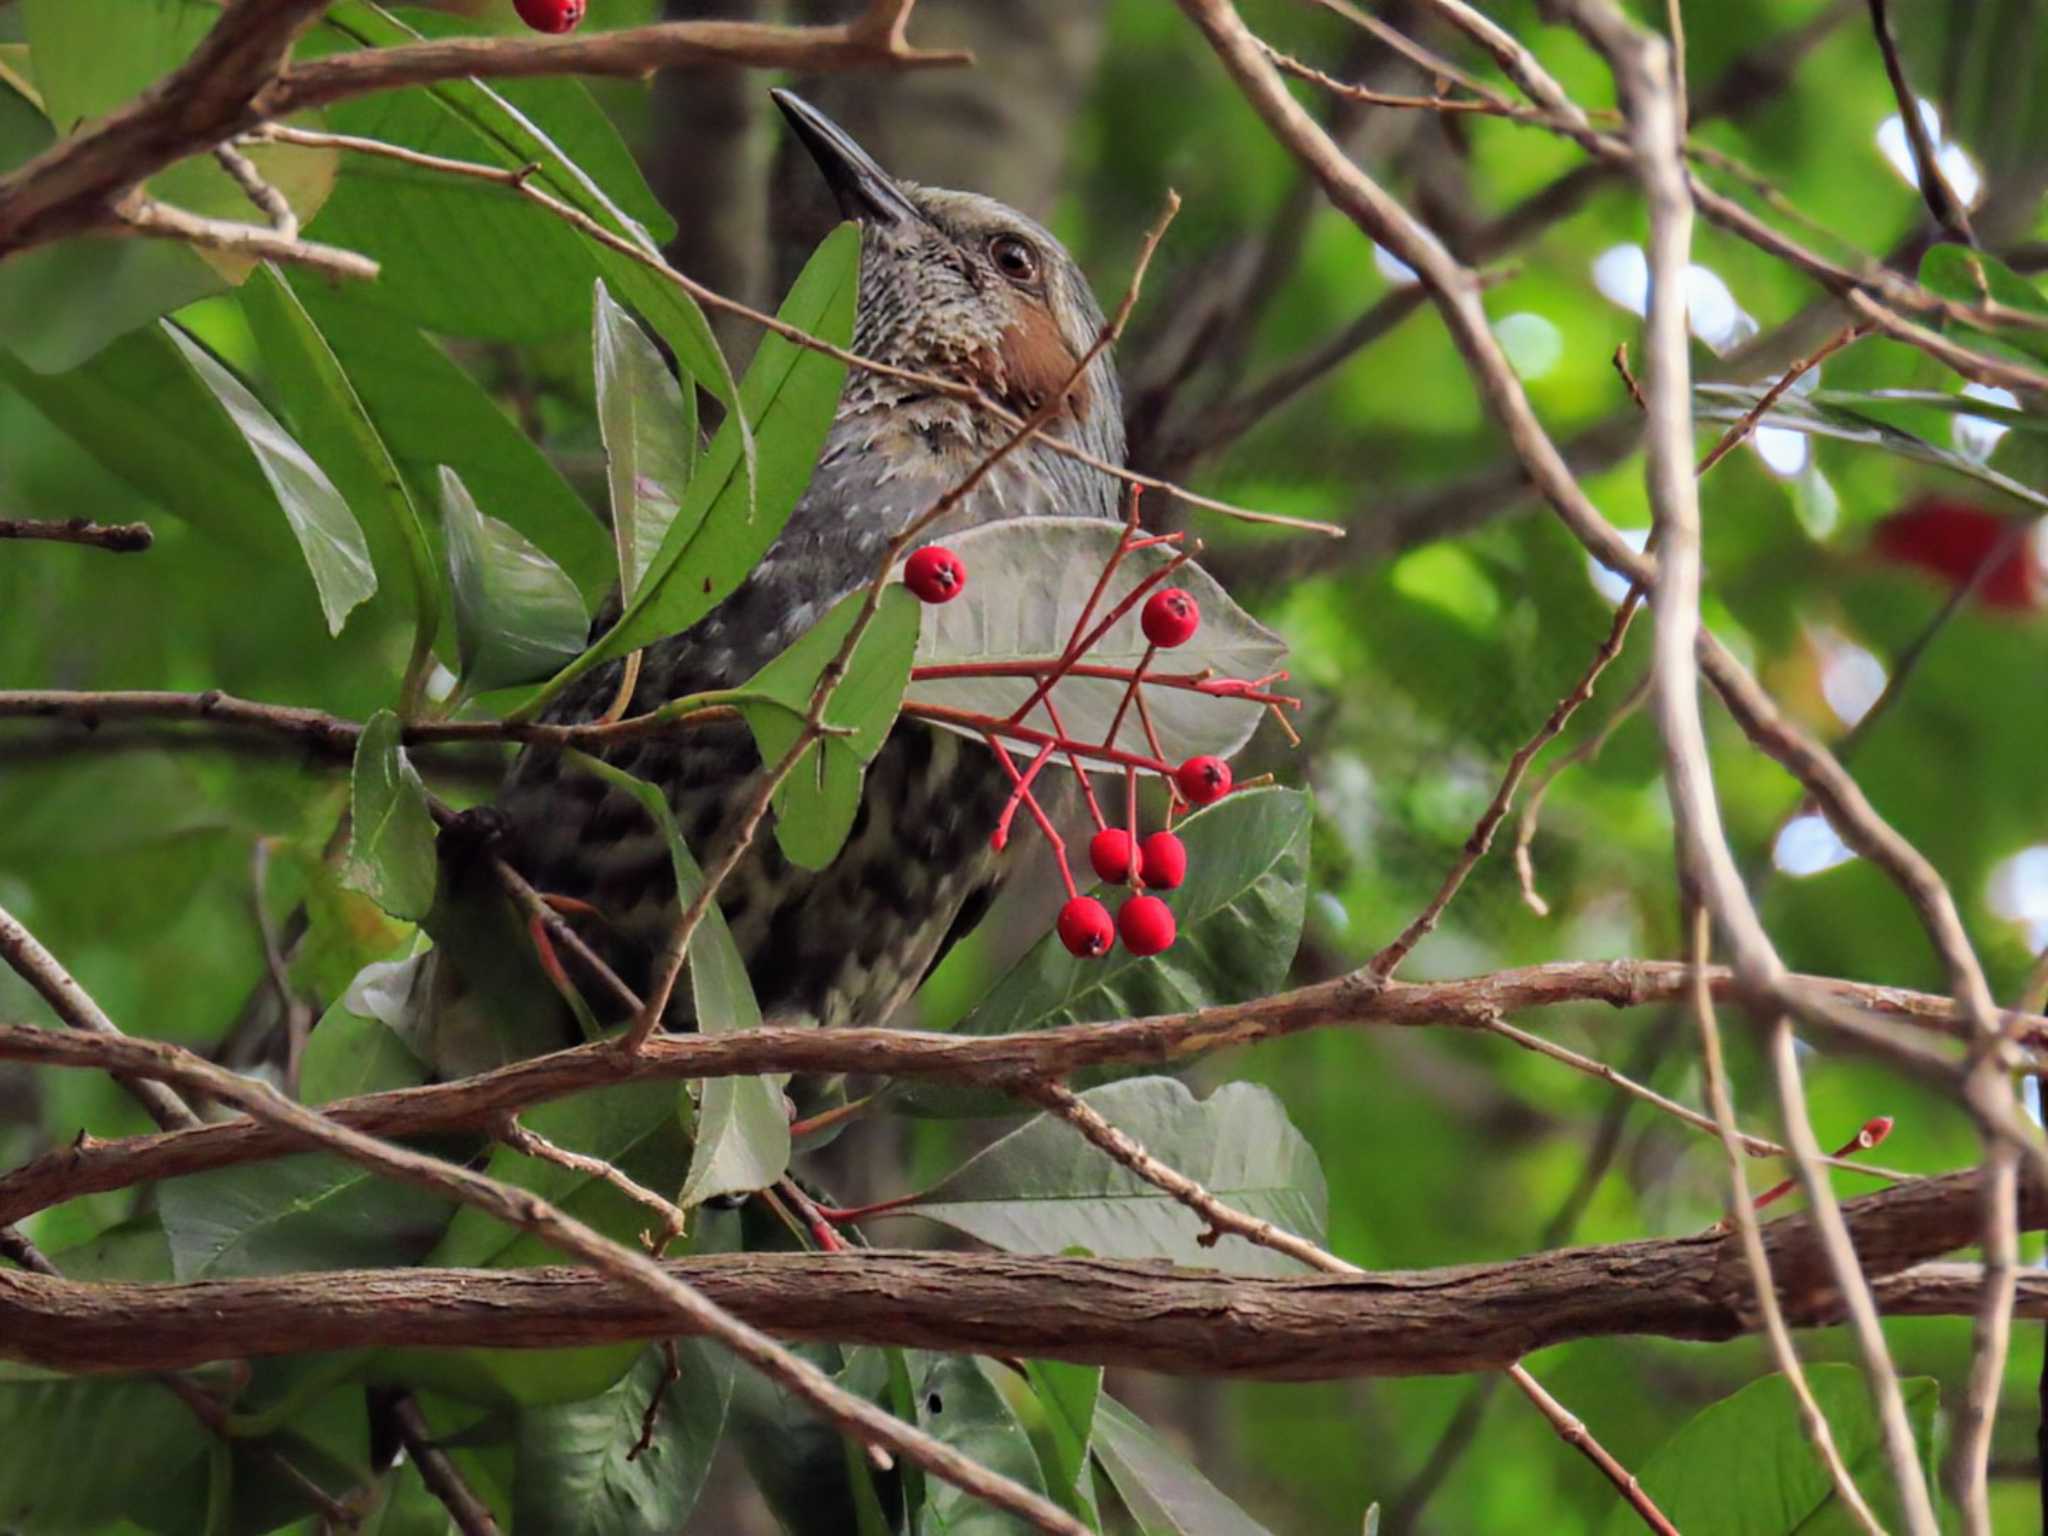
[1144, 1316]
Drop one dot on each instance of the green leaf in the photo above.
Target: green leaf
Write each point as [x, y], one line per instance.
[314, 392]
[742, 1139]
[573, 1476]
[961, 1407]
[1744, 1466]
[430, 413]
[649, 425]
[1045, 1189]
[1239, 916]
[1971, 276]
[816, 803]
[329, 535]
[1067, 1396]
[1165, 1495]
[313, 1211]
[391, 855]
[790, 394]
[1028, 579]
[517, 613]
[88, 1450]
[1820, 418]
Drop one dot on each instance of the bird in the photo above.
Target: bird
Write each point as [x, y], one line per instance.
[952, 284]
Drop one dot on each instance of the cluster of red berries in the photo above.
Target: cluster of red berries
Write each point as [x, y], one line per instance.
[550, 15]
[1145, 923]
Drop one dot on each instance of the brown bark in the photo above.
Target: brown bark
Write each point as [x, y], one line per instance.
[1145, 1316]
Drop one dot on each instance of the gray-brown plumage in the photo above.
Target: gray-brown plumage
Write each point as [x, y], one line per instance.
[955, 285]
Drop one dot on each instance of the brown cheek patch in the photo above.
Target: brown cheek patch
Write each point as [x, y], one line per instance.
[1035, 361]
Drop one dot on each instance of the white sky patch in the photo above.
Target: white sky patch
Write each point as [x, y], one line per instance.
[1392, 267]
[1976, 436]
[1815, 503]
[1957, 168]
[1610, 584]
[1785, 453]
[2019, 890]
[1807, 845]
[1622, 274]
[1534, 346]
[1851, 678]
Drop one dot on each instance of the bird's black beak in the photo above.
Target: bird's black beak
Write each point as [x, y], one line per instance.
[865, 191]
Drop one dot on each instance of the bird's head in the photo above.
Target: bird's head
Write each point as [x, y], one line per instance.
[965, 287]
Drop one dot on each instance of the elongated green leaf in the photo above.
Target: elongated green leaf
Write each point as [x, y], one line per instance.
[1239, 917]
[330, 419]
[430, 413]
[517, 613]
[958, 1405]
[1044, 1189]
[790, 394]
[1028, 581]
[329, 535]
[742, 1125]
[1732, 402]
[1744, 1465]
[1972, 276]
[1067, 1396]
[391, 832]
[649, 426]
[1165, 1495]
[816, 804]
[314, 1211]
[573, 1475]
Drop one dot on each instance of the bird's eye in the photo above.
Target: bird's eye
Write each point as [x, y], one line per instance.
[1014, 258]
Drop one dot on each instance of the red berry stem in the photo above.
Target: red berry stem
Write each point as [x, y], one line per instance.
[1124, 605]
[1131, 691]
[1074, 759]
[1002, 832]
[1874, 1131]
[1196, 682]
[1052, 836]
[1137, 879]
[988, 725]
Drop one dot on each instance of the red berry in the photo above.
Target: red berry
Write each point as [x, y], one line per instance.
[1085, 927]
[550, 15]
[1203, 780]
[1146, 924]
[935, 574]
[1950, 539]
[1110, 852]
[1163, 861]
[1170, 618]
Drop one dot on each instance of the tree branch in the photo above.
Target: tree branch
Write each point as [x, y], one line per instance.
[1093, 1311]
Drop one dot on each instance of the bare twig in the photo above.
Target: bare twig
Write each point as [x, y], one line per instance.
[1734, 436]
[139, 215]
[74, 1005]
[469, 1513]
[270, 202]
[1532, 808]
[1743, 1215]
[479, 1102]
[1940, 197]
[116, 538]
[532, 1144]
[1991, 1341]
[1122, 1148]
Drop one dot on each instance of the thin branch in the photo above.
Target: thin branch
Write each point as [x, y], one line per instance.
[1991, 1340]
[1584, 752]
[532, 1144]
[116, 538]
[1735, 435]
[479, 1102]
[1744, 1217]
[138, 215]
[469, 1513]
[1124, 1149]
[1941, 199]
[74, 1005]
[685, 1308]
[1642, 68]
[270, 202]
